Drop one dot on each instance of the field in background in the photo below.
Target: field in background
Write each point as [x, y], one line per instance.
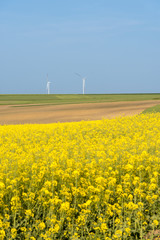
[49, 113]
[56, 99]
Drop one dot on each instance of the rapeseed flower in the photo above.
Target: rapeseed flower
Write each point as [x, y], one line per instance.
[86, 180]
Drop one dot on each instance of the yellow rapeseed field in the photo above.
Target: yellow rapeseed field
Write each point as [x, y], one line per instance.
[86, 180]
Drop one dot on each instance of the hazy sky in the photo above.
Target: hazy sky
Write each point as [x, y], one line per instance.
[114, 43]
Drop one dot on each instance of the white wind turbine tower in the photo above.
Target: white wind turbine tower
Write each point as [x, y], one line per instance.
[83, 81]
[48, 85]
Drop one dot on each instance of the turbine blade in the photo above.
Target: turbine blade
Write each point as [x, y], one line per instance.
[78, 75]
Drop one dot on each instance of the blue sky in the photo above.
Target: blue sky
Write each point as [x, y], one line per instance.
[115, 44]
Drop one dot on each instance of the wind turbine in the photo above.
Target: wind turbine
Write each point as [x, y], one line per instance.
[83, 81]
[48, 85]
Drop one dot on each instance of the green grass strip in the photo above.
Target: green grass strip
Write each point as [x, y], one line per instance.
[153, 109]
[56, 99]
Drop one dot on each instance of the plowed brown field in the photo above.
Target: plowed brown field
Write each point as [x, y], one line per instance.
[20, 114]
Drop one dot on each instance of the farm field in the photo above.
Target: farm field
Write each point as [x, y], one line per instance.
[20, 114]
[83, 180]
[23, 108]
[56, 99]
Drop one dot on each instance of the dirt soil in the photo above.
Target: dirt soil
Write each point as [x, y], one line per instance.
[20, 114]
